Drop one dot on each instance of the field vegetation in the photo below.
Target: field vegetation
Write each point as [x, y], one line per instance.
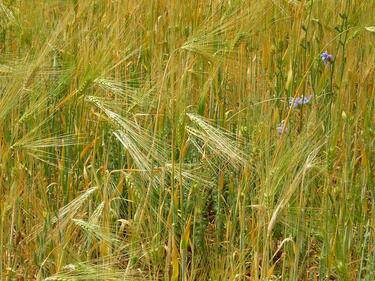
[187, 140]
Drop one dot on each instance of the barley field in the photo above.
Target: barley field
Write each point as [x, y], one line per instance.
[187, 140]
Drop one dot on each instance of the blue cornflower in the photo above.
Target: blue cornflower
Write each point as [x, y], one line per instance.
[281, 128]
[327, 58]
[296, 102]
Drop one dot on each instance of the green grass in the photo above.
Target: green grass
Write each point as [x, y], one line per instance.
[139, 141]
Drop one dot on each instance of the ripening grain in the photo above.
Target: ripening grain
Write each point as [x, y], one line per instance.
[187, 140]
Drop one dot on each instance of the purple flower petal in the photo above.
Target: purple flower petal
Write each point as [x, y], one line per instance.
[298, 101]
[326, 57]
[282, 128]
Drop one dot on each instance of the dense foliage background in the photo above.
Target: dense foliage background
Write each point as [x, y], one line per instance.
[187, 140]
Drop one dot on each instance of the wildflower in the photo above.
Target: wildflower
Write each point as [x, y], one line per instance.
[296, 102]
[282, 128]
[327, 58]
